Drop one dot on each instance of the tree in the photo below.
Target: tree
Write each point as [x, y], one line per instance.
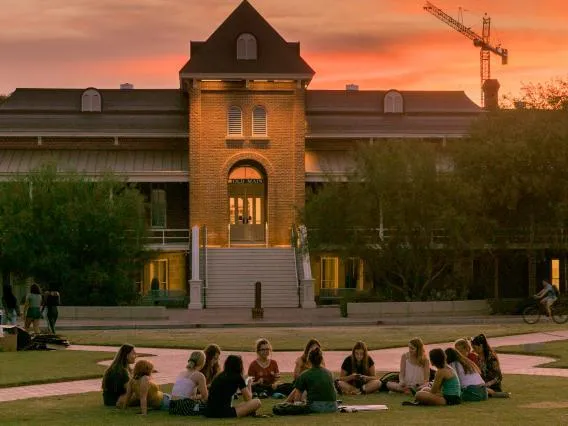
[551, 95]
[408, 221]
[83, 237]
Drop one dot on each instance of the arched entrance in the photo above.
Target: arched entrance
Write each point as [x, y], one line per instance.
[247, 203]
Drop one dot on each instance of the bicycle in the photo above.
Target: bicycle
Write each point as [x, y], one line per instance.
[532, 312]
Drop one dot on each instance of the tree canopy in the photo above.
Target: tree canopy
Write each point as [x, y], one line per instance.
[80, 236]
[550, 95]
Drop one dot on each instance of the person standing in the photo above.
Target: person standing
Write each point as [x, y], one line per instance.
[10, 305]
[51, 301]
[32, 308]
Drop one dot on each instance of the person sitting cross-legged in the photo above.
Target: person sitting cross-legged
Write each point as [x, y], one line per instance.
[358, 372]
[446, 389]
[414, 369]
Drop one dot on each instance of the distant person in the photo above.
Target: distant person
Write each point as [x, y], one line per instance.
[224, 386]
[190, 393]
[358, 372]
[446, 389]
[142, 388]
[472, 384]
[414, 369]
[117, 376]
[547, 297]
[51, 300]
[263, 370]
[464, 348]
[211, 367]
[317, 383]
[10, 305]
[303, 362]
[32, 308]
[489, 366]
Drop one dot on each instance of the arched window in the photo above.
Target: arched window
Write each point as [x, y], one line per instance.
[393, 103]
[235, 121]
[91, 101]
[259, 127]
[246, 47]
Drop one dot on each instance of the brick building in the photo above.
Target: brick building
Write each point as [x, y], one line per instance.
[229, 153]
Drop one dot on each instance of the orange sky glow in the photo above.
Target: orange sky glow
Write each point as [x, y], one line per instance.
[377, 44]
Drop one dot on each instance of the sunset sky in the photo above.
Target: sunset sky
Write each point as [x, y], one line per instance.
[377, 44]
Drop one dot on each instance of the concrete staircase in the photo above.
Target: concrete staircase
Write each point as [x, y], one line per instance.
[232, 272]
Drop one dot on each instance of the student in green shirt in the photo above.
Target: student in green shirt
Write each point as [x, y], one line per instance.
[318, 383]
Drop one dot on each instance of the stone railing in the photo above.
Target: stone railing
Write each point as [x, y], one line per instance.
[113, 312]
[458, 307]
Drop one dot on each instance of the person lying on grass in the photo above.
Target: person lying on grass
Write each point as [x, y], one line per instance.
[224, 386]
[414, 369]
[142, 388]
[446, 389]
[117, 376]
[358, 372]
[318, 384]
[190, 388]
[472, 384]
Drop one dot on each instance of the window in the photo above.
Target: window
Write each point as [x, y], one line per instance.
[555, 273]
[353, 273]
[259, 121]
[91, 101]
[235, 121]
[159, 277]
[393, 103]
[329, 272]
[246, 47]
[159, 208]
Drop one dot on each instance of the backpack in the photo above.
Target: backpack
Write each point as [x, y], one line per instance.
[393, 376]
[290, 409]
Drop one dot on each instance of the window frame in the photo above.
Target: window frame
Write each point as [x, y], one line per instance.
[335, 266]
[91, 101]
[393, 103]
[255, 122]
[231, 122]
[247, 47]
[158, 204]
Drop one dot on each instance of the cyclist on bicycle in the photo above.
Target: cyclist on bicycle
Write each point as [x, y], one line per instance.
[547, 296]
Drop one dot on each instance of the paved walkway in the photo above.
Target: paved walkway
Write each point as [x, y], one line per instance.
[169, 362]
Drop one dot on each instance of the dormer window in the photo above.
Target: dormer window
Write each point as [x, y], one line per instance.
[91, 101]
[246, 47]
[393, 103]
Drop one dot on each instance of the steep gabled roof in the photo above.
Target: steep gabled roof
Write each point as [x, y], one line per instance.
[217, 58]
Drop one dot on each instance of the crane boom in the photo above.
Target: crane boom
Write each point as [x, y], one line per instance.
[481, 41]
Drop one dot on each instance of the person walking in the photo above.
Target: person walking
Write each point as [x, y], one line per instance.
[32, 308]
[10, 305]
[51, 301]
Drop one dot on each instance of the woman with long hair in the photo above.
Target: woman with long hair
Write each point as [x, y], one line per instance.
[303, 362]
[32, 308]
[446, 389]
[10, 305]
[211, 367]
[117, 376]
[358, 372]
[489, 366]
[472, 385]
[414, 369]
[141, 387]
[190, 388]
[224, 386]
[464, 348]
[51, 301]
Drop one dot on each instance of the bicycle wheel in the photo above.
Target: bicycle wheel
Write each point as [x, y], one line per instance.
[531, 314]
[559, 314]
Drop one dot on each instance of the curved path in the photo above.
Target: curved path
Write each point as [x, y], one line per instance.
[169, 362]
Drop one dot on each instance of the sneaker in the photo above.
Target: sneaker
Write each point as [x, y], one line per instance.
[278, 395]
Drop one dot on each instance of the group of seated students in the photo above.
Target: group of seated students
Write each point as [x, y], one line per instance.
[462, 374]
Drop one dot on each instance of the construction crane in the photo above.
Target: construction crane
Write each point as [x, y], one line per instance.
[482, 41]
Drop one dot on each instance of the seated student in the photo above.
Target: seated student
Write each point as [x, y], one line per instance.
[263, 370]
[464, 348]
[446, 389]
[190, 388]
[414, 369]
[224, 386]
[117, 375]
[303, 362]
[318, 384]
[211, 367]
[489, 366]
[358, 372]
[142, 388]
[472, 385]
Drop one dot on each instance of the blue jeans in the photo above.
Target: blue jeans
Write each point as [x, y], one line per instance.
[165, 405]
[323, 406]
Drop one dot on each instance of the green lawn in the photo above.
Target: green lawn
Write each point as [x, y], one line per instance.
[294, 339]
[535, 400]
[558, 350]
[34, 367]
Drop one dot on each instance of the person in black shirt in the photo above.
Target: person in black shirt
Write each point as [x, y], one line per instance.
[358, 372]
[224, 386]
[117, 376]
[51, 300]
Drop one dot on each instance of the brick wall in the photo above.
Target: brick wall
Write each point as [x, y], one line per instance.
[211, 155]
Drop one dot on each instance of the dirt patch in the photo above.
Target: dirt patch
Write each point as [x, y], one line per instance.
[546, 404]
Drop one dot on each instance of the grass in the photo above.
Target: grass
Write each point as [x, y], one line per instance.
[294, 339]
[558, 350]
[535, 400]
[35, 367]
